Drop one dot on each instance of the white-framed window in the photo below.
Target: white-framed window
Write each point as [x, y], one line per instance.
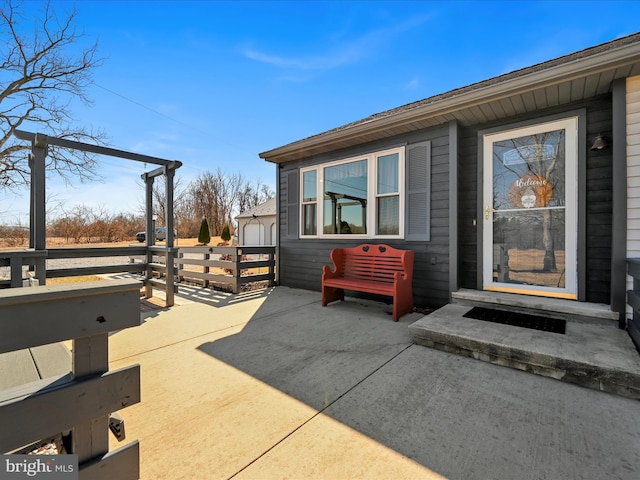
[361, 196]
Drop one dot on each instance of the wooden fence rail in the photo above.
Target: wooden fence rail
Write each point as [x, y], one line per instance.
[233, 266]
[76, 404]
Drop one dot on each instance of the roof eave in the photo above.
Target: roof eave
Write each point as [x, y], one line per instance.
[596, 63]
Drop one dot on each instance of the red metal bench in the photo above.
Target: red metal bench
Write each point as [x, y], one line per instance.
[378, 269]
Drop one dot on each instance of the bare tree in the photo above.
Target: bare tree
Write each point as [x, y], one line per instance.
[41, 70]
[159, 197]
[219, 197]
[212, 196]
[250, 196]
[85, 224]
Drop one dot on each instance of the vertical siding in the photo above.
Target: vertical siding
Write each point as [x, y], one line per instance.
[633, 173]
[598, 198]
[301, 260]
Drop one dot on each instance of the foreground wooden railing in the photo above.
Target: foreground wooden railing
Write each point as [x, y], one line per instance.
[232, 266]
[80, 401]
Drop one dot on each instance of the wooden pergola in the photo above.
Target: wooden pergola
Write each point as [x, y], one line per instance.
[37, 212]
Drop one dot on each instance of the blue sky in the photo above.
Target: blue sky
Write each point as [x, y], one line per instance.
[214, 83]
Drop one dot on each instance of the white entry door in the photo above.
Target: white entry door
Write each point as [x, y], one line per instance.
[530, 210]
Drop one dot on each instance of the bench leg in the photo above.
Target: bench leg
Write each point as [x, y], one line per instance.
[402, 304]
[331, 294]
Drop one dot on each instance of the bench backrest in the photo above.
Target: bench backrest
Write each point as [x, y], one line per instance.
[372, 262]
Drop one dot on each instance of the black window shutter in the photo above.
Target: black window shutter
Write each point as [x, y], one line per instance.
[417, 193]
[293, 213]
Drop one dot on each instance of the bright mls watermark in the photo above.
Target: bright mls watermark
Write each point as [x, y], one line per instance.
[51, 467]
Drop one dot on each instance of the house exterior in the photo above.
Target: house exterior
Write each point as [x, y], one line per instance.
[515, 184]
[258, 225]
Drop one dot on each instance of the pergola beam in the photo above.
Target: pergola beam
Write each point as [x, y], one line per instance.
[39, 140]
[161, 170]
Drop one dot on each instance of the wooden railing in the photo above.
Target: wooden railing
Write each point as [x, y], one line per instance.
[16, 259]
[36, 259]
[95, 252]
[156, 275]
[76, 404]
[633, 299]
[231, 266]
[138, 259]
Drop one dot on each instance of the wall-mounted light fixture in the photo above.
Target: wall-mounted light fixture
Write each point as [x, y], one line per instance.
[600, 143]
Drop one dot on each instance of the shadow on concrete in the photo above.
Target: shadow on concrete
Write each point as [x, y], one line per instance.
[312, 353]
[218, 298]
[456, 416]
[205, 295]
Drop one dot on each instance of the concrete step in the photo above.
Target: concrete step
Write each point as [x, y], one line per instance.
[570, 310]
[601, 357]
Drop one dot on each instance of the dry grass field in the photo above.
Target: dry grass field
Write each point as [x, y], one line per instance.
[56, 242]
[53, 242]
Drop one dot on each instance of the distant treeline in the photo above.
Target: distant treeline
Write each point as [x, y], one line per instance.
[218, 197]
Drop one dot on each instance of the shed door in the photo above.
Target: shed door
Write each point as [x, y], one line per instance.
[253, 234]
[529, 210]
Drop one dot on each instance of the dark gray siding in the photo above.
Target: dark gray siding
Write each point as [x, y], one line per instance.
[598, 229]
[301, 260]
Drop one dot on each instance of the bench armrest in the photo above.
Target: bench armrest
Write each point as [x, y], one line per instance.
[328, 272]
[337, 258]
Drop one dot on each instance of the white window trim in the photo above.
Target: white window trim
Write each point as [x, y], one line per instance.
[372, 196]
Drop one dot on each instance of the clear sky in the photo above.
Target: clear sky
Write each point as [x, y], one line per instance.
[214, 83]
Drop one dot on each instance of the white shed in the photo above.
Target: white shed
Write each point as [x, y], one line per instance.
[258, 225]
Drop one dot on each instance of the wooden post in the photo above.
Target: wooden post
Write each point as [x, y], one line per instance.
[150, 233]
[271, 267]
[236, 277]
[38, 176]
[91, 357]
[16, 271]
[180, 256]
[205, 269]
[168, 241]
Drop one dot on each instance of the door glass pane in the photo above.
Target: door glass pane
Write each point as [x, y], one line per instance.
[529, 247]
[529, 171]
[529, 210]
[345, 198]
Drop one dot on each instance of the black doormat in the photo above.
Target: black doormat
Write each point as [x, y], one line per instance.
[535, 322]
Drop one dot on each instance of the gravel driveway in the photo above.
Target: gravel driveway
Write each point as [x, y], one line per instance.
[74, 263]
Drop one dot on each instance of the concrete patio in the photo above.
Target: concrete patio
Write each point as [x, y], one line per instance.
[269, 384]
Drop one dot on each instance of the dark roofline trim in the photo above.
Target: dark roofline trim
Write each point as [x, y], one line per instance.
[592, 60]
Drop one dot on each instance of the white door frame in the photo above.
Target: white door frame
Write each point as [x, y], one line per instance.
[570, 290]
